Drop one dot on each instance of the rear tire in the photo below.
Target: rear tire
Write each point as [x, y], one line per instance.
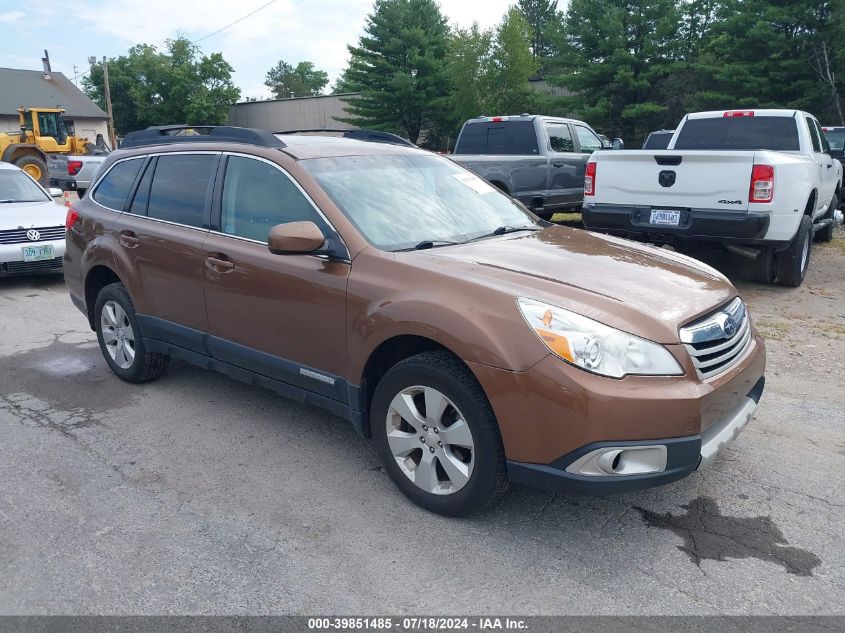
[792, 264]
[120, 337]
[763, 269]
[467, 471]
[826, 234]
[33, 166]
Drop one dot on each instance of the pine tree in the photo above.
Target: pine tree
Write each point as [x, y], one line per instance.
[399, 68]
[540, 15]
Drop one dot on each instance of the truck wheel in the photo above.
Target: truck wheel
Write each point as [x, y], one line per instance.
[826, 234]
[763, 270]
[33, 166]
[437, 435]
[792, 263]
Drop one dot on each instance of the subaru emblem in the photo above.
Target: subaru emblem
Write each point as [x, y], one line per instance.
[729, 326]
[33, 235]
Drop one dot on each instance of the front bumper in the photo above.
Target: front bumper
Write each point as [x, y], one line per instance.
[695, 224]
[12, 264]
[683, 455]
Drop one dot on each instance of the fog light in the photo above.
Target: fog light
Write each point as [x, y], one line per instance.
[620, 461]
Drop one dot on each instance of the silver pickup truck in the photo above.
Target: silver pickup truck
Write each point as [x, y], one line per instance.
[539, 160]
[74, 173]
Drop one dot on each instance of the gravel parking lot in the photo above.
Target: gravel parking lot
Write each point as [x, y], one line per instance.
[197, 494]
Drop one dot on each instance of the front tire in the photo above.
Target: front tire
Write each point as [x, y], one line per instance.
[795, 260]
[826, 234]
[437, 435]
[119, 337]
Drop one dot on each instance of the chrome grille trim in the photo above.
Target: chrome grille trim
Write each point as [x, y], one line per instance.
[711, 351]
[18, 236]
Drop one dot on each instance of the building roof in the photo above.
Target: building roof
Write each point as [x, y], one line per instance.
[30, 89]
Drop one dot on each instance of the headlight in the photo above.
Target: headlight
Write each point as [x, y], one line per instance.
[594, 346]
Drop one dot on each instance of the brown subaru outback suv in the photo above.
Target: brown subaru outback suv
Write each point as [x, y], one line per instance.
[473, 342]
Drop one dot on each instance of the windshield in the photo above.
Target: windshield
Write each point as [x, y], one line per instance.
[398, 201]
[16, 186]
[836, 139]
[777, 133]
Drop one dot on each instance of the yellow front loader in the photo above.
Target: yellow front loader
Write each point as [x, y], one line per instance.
[43, 131]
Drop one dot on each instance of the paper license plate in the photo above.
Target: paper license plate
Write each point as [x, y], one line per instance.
[37, 253]
[665, 216]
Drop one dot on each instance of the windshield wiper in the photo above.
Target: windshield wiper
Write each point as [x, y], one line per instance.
[511, 229]
[431, 244]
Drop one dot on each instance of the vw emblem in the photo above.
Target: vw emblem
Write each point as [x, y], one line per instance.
[729, 326]
[33, 235]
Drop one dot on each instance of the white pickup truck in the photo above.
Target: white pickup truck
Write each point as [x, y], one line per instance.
[760, 182]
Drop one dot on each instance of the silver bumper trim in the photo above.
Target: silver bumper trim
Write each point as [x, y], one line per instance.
[716, 436]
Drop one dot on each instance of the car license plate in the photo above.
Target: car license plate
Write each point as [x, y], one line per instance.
[37, 253]
[665, 216]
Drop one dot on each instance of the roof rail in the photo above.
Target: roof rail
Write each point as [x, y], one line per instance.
[372, 136]
[167, 134]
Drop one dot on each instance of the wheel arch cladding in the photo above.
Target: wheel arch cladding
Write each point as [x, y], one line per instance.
[387, 354]
[97, 278]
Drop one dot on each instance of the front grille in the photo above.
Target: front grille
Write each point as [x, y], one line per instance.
[46, 234]
[717, 341]
[24, 268]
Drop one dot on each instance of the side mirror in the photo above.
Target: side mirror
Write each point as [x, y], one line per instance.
[55, 192]
[618, 143]
[295, 238]
[70, 127]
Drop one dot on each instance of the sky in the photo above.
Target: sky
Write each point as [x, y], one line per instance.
[292, 30]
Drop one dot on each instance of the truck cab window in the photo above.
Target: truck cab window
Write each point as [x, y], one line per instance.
[560, 138]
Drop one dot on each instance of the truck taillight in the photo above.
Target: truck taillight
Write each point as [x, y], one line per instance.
[590, 180]
[73, 167]
[762, 184]
[71, 218]
[735, 113]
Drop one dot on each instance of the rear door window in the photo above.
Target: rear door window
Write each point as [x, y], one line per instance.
[113, 190]
[257, 196]
[179, 188]
[560, 138]
[814, 135]
[588, 141]
[142, 193]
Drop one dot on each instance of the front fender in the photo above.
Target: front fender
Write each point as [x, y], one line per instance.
[476, 323]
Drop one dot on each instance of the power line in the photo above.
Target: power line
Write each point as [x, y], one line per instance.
[263, 6]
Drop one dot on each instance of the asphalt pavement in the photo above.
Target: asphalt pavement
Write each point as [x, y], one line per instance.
[195, 494]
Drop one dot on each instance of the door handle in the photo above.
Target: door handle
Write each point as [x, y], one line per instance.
[558, 165]
[220, 265]
[129, 239]
[829, 165]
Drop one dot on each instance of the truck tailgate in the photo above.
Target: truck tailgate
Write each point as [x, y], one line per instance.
[674, 179]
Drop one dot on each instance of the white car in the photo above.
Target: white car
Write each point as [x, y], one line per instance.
[32, 225]
[762, 183]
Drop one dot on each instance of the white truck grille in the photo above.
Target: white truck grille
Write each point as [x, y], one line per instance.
[717, 341]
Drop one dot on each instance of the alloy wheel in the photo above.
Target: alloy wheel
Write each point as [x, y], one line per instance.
[118, 336]
[430, 440]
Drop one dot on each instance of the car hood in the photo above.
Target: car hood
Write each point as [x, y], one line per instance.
[641, 289]
[27, 215]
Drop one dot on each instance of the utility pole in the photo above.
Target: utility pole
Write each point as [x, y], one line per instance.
[107, 94]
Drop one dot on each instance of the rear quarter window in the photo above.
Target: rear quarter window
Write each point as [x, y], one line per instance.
[505, 137]
[748, 133]
[113, 190]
